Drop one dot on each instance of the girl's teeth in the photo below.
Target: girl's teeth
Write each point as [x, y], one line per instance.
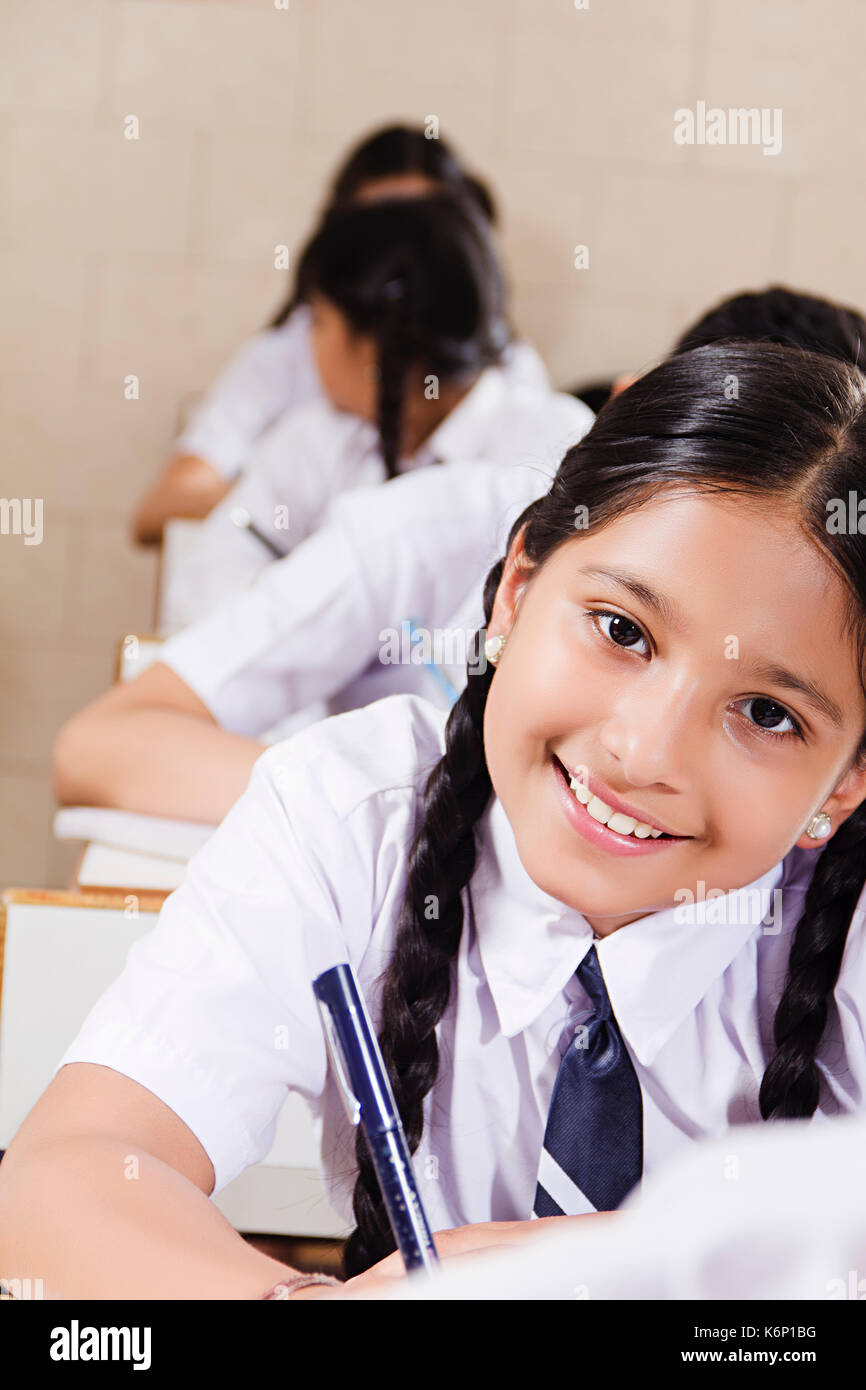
[615, 820]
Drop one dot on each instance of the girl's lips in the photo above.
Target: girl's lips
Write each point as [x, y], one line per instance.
[597, 834]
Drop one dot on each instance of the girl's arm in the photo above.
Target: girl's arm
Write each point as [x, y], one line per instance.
[468, 1240]
[104, 1194]
[269, 374]
[151, 745]
[189, 486]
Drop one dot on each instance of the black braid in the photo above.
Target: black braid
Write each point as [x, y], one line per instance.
[790, 1088]
[417, 983]
[393, 362]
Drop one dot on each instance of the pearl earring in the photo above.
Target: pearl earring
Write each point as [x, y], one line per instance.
[819, 826]
[493, 649]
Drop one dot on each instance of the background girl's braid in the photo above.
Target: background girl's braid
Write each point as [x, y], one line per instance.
[393, 359]
[417, 983]
[790, 1088]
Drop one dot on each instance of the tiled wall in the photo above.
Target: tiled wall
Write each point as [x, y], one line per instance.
[155, 256]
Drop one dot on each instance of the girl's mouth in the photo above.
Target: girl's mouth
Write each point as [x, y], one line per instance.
[597, 833]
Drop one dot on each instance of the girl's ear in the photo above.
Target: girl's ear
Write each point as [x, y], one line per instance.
[845, 799]
[515, 577]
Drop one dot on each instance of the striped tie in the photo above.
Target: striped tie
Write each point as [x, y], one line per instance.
[593, 1143]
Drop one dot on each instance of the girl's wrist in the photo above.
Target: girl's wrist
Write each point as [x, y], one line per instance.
[289, 1288]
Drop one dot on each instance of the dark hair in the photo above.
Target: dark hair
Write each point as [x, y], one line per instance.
[780, 315]
[776, 315]
[796, 432]
[403, 149]
[389, 152]
[421, 277]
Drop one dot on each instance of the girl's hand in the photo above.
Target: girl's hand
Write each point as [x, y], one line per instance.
[464, 1240]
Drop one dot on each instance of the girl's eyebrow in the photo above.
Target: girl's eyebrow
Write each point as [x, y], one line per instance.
[670, 614]
[656, 602]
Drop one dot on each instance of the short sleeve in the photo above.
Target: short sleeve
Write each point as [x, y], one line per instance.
[214, 1010]
[296, 635]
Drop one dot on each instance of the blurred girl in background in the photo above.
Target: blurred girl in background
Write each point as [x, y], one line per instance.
[275, 370]
[408, 332]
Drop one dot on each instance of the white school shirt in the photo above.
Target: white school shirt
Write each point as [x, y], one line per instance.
[214, 1011]
[275, 372]
[313, 626]
[317, 452]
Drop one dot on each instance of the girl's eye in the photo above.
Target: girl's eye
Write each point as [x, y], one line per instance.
[766, 716]
[622, 630]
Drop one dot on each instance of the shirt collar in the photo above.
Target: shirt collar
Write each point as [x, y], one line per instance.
[657, 969]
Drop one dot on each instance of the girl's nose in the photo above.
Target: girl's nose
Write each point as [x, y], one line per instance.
[648, 732]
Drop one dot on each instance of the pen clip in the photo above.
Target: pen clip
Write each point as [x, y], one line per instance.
[350, 1100]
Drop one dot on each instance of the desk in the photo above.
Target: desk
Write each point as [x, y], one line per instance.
[58, 952]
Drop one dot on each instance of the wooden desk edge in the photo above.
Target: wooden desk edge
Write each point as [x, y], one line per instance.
[87, 895]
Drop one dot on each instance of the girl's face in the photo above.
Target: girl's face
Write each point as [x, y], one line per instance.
[346, 361]
[395, 186]
[693, 708]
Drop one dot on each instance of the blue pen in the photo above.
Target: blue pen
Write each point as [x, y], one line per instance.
[369, 1099]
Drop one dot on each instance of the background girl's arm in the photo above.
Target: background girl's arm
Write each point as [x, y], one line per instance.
[151, 745]
[189, 486]
[104, 1194]
[268, 375]
[467, 1240]
[305, 629]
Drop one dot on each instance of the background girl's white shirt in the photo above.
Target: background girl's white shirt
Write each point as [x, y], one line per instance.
[214, 1012]
[271, 373]
[310, 628]
[275, 372]
[316, 452]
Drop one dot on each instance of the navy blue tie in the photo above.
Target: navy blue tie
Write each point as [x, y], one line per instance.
[593, 1142]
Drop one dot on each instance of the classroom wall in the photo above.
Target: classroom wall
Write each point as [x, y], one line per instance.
[154, 256]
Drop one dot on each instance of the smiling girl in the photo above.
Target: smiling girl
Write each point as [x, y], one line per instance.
[555, 1022]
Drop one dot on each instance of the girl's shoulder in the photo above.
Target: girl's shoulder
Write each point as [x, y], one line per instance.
[297, 325]
[528, 422]
[308, 867]
[289, 344]
[381, 753]
[293, 335]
